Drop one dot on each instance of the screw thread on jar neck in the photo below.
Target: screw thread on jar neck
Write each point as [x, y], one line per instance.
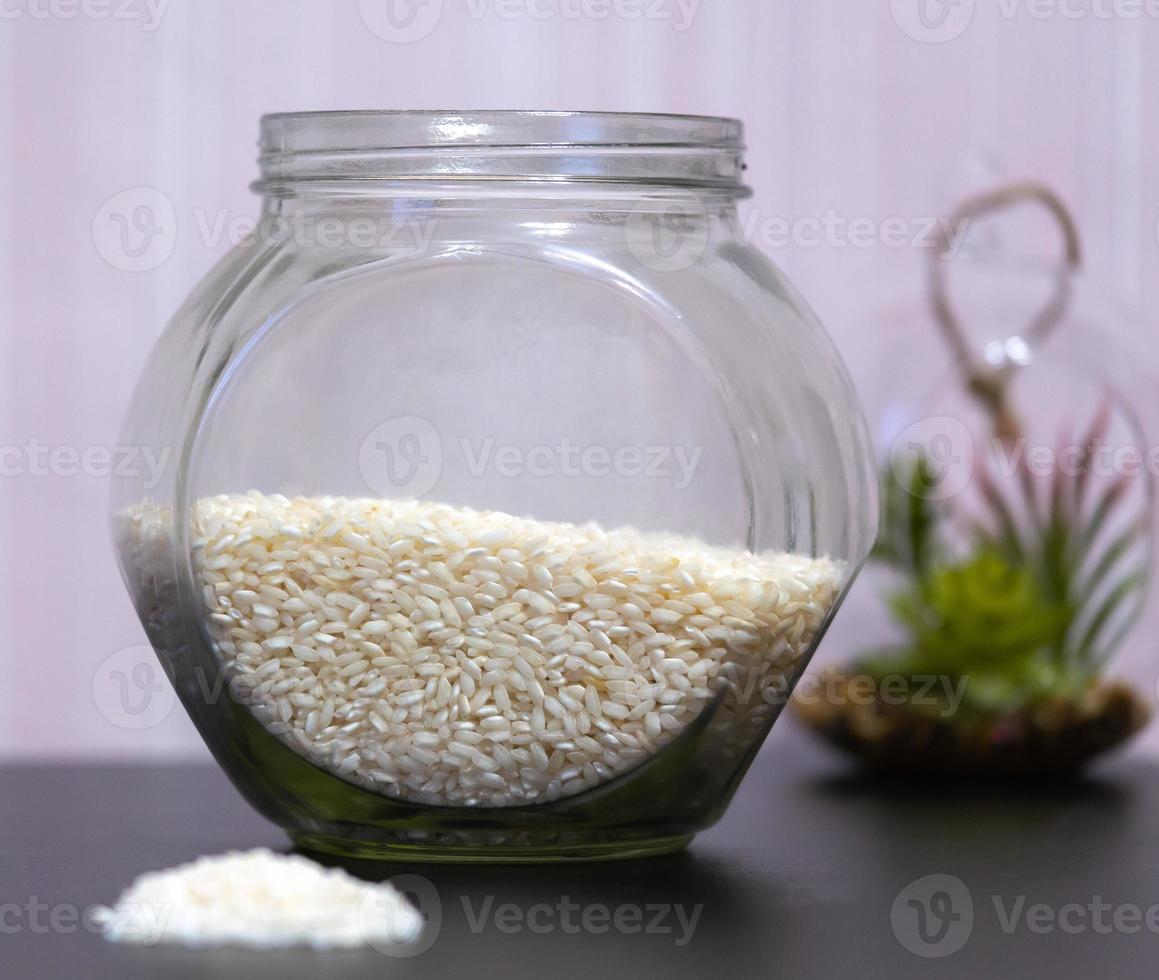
[550, 151]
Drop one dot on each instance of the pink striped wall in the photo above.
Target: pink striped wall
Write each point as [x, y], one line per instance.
[845, 113]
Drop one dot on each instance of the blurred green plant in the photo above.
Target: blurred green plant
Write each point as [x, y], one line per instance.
[1031, 605]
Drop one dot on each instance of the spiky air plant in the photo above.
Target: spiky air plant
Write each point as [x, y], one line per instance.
[1013, 603]
[1010, 598]
[1041, 590]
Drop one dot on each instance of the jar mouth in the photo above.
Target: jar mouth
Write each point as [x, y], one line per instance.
[502, 145]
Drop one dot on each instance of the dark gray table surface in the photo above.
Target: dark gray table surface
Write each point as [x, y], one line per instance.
[813, 872]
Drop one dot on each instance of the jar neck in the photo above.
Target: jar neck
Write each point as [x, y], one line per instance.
[403, 218]
[529, 156]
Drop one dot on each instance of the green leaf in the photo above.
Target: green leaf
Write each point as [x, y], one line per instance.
[1107, 502]
[1111, 556]
[907, 538]
[1007, 534]
[1109, 606]
[1026, 610]
[1098, 430]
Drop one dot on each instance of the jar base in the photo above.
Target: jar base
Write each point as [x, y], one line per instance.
[489, 853]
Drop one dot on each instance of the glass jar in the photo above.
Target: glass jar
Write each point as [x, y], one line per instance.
[511, 490]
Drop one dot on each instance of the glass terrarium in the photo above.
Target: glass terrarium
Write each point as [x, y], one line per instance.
[512, 491]
[1014, 556]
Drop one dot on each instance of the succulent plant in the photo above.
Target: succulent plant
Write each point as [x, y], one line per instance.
[1024, 598]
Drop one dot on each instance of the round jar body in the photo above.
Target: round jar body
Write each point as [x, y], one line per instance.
[511, 491]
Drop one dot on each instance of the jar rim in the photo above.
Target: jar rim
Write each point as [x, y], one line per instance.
[665, 149]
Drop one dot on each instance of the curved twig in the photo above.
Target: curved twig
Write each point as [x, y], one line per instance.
[986, 382]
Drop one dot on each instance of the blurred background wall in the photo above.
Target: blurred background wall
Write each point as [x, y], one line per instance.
[866, 111]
